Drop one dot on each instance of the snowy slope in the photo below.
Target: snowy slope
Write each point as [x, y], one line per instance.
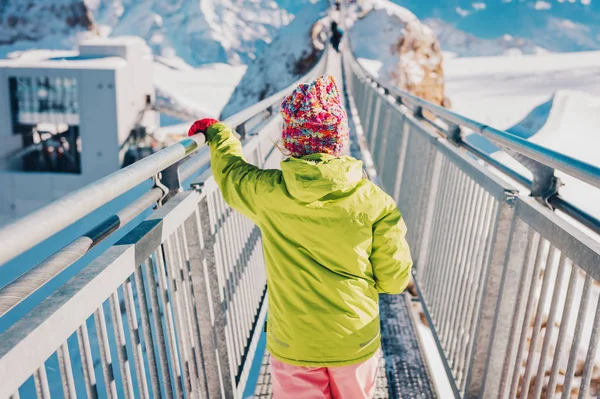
[553, 100]
[375, 35]
[202, 91]
[290, 56]
[501, 91]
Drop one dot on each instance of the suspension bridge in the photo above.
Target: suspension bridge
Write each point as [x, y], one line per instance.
[506, 270]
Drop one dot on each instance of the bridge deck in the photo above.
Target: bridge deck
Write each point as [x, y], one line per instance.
[402, 372]
[264, 388]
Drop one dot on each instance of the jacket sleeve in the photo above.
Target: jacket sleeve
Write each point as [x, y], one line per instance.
[241, 183]
[390, 255]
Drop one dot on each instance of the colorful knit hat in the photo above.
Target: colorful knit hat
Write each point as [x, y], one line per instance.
[315, 121]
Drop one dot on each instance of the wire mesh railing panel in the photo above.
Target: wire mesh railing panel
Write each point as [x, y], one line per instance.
[546, 340]
[414, 179]
[150, 317]
[458, 254]
[107, 324]
[388, 160]
[242, 276]
[455, 212]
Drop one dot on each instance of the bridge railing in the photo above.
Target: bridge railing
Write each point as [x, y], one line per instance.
[170, 310]
[173, 309]
[509, 287]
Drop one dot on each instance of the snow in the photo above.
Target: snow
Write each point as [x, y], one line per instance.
[290, 56]
[406, 49]
[376, 37]
[553, 99]
[205, 90]
[500, 91]
[199, 32]
[21, 21]
[47, 43]
[372, 66]
[208, 31]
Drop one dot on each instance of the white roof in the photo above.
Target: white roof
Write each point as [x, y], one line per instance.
[113, 41]
[68, 62]
[95, 53]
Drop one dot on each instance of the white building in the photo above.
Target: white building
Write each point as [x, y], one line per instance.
[66, 121]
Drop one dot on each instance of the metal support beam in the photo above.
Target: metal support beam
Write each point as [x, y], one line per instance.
[219, 371]
[487, 312]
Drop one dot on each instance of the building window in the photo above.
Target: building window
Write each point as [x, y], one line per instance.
[44, 99]
[45, 112]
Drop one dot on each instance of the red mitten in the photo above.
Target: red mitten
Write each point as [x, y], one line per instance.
[201, 125]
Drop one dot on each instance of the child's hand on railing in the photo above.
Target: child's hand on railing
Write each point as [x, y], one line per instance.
[200, 126]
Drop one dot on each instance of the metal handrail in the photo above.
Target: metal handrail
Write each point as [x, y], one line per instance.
[39, 225]
[33, 279]
[584, 171]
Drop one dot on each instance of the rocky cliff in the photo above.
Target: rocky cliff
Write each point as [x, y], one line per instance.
[406, 51]
[33, 20]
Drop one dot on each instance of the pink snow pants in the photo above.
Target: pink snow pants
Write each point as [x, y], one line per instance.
[356, 381]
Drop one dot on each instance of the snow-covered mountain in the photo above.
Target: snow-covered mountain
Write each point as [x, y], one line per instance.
[292, 54]
[234, 31]
[404, 51]
[25, 22]
[553, 25]
[197, 31]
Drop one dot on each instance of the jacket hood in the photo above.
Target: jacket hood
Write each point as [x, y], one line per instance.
[314, 176]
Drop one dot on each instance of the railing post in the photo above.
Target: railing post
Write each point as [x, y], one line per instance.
[510, 289]
[429, 201]
[489, 309]
[211, 319]
[374, 123]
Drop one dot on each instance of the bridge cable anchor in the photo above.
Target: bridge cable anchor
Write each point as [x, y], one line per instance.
[418, 112]
[545, 184]
[454, 134]
[157, 179]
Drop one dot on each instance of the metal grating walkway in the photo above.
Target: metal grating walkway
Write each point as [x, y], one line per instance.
[263, 386]
[406, 370]
[402, 372]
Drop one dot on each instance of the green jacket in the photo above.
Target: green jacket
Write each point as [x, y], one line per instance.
[332, 241]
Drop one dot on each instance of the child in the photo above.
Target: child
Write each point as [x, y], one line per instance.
[332, 241]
